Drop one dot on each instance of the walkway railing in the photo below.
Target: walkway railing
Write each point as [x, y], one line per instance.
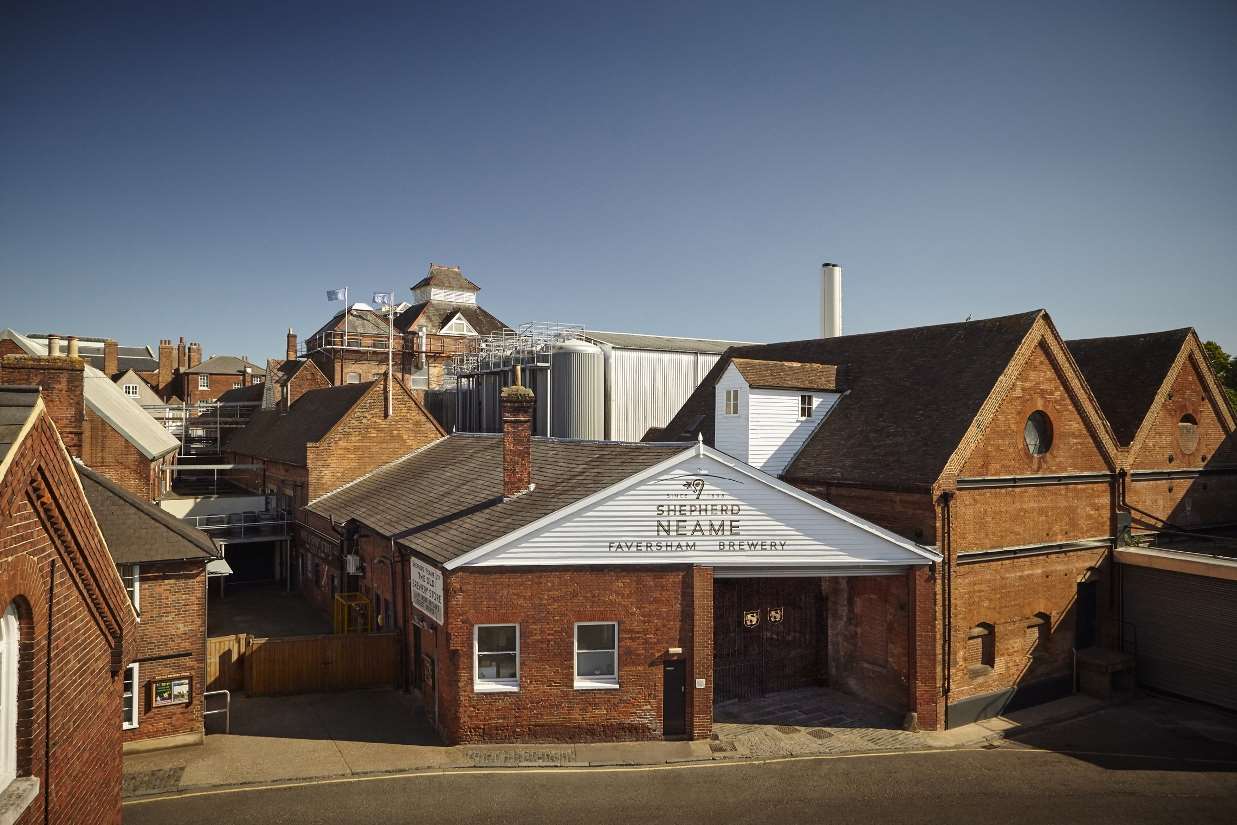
[247, 525]
[226, 710]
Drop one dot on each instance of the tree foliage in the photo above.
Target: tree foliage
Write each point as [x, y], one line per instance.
[1225, 367]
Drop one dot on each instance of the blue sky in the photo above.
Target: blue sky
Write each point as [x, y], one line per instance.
[208, 170]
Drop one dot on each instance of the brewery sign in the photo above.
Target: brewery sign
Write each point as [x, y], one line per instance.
[426, 589]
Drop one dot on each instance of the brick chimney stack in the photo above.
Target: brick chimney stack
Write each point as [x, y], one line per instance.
[517, 412]
[60, 378]
[111, 358]
[167, 362]
[291, 354]
[195, 354]
[182, 356]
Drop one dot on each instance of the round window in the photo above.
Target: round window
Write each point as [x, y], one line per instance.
[1187, 433]
[1038, 433]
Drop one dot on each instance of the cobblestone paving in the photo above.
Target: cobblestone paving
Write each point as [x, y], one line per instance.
[806, 721]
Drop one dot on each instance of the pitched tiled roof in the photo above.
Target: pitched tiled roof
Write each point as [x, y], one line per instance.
[435, 314]
[446, 499]
[251, 394]
[787, 375]
[1125, 373]
[17, 404]
[446, 277]
[140, 358]
[910, 396]
[227, 365]
[136, 531]
[283, 437]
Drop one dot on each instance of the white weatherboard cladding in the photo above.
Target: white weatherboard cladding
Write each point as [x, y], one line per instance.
[451, 296]
[775, 430]
[742, 520]
[730, 431]
[645, 388]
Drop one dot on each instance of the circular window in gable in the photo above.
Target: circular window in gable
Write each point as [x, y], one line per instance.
[1187, 433]
[1038, 433]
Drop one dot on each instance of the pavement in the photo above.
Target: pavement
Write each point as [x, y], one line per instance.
[331, 736]
[263, 610]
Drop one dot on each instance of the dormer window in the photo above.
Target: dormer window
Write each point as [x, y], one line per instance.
[458, 326]
[805, 406]
[732, 402]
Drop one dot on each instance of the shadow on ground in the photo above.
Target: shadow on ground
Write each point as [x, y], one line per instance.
[379, 716]
[263, 610]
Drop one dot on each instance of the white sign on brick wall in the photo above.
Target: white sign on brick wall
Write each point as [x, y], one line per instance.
[426, 589]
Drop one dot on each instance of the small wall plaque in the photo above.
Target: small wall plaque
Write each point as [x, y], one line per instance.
[174, 691]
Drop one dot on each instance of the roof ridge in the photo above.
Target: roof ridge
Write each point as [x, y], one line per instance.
[157, 514]
[377, 469]
[1030, 316]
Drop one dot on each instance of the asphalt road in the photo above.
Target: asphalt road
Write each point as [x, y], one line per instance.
[1011, 784]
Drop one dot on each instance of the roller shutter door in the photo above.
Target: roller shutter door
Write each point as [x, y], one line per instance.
[1185, 631]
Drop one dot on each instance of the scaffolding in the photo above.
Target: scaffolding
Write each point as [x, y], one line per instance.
[203, 427]
[528, 346]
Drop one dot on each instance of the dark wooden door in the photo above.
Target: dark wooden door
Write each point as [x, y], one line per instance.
[768, 635]
[674, 698]
[1085, 619]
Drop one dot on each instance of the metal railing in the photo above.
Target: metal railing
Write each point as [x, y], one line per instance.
[244, 525]
[226, 710]
[378, 342]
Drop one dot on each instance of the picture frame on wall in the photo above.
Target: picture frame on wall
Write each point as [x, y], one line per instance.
[174, 690]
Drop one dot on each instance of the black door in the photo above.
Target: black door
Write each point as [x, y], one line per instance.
[1084, 611]
[674, 698]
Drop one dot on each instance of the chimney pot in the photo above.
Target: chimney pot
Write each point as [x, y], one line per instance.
[517, 413]
[53, 346]
[73, 346]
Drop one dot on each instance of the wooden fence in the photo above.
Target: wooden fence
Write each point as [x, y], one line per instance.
[302, 664]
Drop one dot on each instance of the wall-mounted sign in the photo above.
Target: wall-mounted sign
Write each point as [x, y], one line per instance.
[174, 691]
[751, 618]
[775, 615]
[426, 589]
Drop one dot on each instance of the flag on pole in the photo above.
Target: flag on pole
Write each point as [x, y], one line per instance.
[336, 294]
[383, 299]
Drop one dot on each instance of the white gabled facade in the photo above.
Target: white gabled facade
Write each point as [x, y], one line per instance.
[704, 508]
[767, 430]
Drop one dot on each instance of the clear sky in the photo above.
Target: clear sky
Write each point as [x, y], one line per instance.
[209, 169]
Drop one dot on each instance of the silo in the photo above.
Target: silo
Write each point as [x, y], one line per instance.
[577, 390]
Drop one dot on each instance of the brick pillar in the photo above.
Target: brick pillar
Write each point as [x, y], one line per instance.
[195, 354]
[925, 700]
[111, 358]
[291, 353]
[517, 411]
[701, 705]
[182, 356]
[61, 381]
[167, 361]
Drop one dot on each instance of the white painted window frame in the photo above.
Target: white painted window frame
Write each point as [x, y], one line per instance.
[480, 685]
[135, 595]
[136, 694]
[203, 381]
[10, 651]
[728, 408]
[132, 391]
[593, 682]
[810, 406]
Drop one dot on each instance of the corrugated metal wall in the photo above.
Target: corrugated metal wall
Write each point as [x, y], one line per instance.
[646, 388]
[1185, 632]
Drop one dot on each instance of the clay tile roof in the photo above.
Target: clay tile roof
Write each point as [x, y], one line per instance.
[910, 396]
[1125, 373]
[787, 375]
[447, 499]
[446, 277]
[227, 365]
[284, 437]
[136, 531]
[435, 315]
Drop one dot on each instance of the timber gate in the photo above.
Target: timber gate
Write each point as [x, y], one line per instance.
[301, 664]
[768, 635]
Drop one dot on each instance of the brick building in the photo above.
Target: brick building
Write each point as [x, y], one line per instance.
[443, 319]
[555, 590]
[162, 562]
[310, 438]
[208, 380]
[108, 431]
[60, 744]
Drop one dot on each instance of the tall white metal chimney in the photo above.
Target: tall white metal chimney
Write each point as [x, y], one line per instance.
[831, 301]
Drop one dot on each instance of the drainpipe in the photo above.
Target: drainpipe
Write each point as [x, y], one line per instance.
[47, 699]
[947, 583]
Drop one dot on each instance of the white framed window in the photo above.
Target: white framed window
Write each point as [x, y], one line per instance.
[236, 385]
[129, 703]
[458, 326]
[203, 382]
[132, 391]
[354, 378]
[732, 402]
[496, 658]
[10, 632]
[805, 406]
[130, 574]
[596, 655]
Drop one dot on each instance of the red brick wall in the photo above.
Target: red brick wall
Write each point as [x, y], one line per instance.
[868, 623]
[61, 379]
[1161, 448]
[307, 378]
[654, 612]
[219, 384]
[171, 642]
[112, 455]
[82, 719]
[909, 514]
[1187, 503]
[987, 518]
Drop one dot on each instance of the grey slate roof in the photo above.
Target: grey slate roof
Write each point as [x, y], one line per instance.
[446, 277]
[17, 404]
[1125, 373]
[283, 437]
[139, 358]
[137, 532]
[435, 314]
[446, 499]
[227, 365]
[663, 343]
[910, 396]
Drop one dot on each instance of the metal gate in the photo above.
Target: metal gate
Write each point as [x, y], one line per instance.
[768, 635]
[1185, 628]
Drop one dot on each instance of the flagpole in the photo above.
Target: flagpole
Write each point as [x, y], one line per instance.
[345, 316]
[390, 346]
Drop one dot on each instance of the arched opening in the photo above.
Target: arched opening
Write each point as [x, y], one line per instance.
[10, 655]
[1038, 433]
[1187, 433]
